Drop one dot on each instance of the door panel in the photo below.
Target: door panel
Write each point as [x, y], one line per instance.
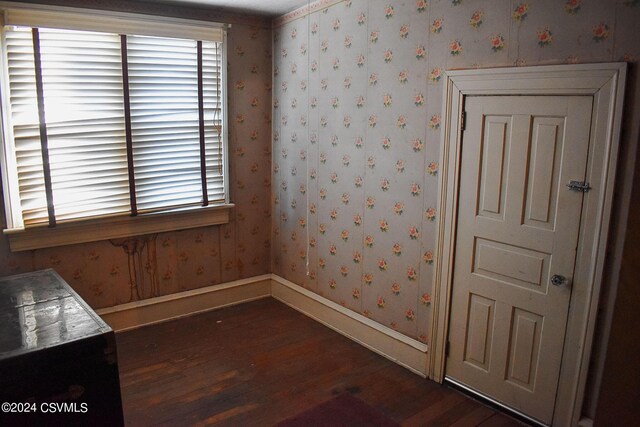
[493, 167]
[511, 265]
[524, 348]
[542, 180]
[479, 331]
[517, 226]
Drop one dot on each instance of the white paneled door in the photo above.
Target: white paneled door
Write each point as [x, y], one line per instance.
[516, 240]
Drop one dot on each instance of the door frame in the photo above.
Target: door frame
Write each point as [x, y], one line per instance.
[605, 82]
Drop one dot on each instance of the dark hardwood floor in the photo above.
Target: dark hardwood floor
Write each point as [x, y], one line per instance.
[261, 362]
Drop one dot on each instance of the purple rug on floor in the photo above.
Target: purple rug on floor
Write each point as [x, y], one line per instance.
[344, 410]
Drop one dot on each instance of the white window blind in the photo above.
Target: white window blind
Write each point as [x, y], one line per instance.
[213, 118]
[127, 124]
[163, 84]
[26, 134]
[82, 84]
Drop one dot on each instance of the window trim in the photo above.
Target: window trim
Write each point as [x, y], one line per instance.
[105, 228]
[85, 19]
[109, 227]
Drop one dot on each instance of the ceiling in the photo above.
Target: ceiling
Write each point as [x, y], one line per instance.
[255, 7]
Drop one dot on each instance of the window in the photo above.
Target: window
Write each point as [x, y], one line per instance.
[101, 124]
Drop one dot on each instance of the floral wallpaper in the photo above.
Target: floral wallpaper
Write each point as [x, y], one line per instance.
[113, 272]
[356, 139]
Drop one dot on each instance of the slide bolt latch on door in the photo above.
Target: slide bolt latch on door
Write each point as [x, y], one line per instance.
[558, 280]
[581, 186]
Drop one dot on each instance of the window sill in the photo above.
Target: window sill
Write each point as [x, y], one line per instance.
[117, 227]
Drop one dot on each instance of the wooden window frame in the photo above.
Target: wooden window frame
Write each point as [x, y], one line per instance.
[108, 227]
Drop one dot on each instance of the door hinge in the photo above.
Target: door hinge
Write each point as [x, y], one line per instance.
[446, 349]
[581, 186]
[463, 121]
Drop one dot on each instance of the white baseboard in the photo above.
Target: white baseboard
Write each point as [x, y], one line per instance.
[407, 352]
[396, 347]
[168, 307]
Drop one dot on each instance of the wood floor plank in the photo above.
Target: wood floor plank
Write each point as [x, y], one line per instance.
[455, 414]
[501, 420]
[430, 413]
[475, 417]
[262, 362]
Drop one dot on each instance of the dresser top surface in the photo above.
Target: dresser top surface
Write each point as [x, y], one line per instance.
[40, 310]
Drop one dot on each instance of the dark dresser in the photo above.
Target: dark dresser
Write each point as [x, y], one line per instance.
[58, 361]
